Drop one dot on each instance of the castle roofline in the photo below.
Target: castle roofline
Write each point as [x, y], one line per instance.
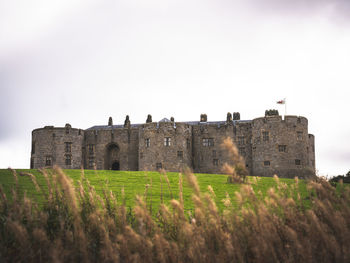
[107, 127]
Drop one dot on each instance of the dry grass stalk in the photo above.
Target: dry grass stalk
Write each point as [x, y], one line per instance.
[237, 171]
[277, 228]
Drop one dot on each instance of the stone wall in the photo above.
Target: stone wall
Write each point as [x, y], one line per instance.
[165, 145]
[270, 145]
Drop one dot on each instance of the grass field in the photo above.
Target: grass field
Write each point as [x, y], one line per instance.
[152, 185]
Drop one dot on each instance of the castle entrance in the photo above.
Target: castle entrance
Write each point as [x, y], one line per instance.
[112, 157]
[115, 165]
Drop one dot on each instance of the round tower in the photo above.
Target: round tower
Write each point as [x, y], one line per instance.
[60, 146]
[281, 147]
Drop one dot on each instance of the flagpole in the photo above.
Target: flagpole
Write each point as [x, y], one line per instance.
[285, 107]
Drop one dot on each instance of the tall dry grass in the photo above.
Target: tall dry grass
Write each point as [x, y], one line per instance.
[78, 225]
[236, 169]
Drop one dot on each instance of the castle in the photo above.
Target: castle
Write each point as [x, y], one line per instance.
[270, 145]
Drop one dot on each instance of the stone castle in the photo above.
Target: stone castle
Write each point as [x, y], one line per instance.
[270, 145]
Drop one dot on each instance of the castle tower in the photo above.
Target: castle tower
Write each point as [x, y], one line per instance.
[57, 146]
[282, 147]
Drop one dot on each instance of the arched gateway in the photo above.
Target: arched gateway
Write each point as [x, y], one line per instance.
[112, 157]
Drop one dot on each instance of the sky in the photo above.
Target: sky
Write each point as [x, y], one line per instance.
[81, 61]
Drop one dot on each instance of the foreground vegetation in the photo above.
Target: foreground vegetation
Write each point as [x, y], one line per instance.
[76, 224]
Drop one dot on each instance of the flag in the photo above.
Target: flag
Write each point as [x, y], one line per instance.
[281, 101]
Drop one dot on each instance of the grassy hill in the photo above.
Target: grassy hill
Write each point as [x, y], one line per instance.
[153, 186]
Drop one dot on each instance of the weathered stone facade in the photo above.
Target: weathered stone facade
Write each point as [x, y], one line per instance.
[270, 145]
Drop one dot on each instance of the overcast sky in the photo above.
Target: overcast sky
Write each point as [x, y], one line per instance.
[81, 61]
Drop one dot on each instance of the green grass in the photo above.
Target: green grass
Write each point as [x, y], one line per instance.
[134, 183]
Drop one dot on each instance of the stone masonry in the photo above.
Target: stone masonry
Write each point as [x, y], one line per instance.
[270, 145]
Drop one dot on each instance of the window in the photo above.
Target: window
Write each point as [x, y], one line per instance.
[48, 161]
[180, 154]
[167, 141]
[266, 163]
[33, 147]
[31, 163]
[68, 147]
[282, 148]
[188, 143]
[215, 162]
[159, 165]
[240, 140]
[297, 162]
[208, 142]
[205, 142]
[68, 159]
[148, 142]
[241, 151]
[265, 136]
[91, 149]
[214, 153]
[91, 162]
[299, 135]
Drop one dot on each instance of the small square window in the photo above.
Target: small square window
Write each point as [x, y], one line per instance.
[282, 148]
[208, 142]
[159, 166]
[297, 162]
[167, 141]
[180, 154]
[215, 162]
[299, 135]
[266, 136]
[266, 163]
[241, 151]
[205, 142]
[240, 140]
[48, 161]
[188, 143]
